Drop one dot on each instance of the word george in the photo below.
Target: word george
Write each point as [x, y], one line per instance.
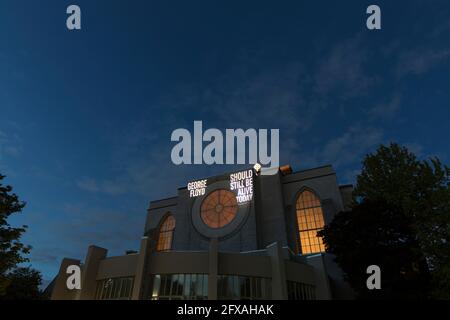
[243, 183]
[374, 21]
[196, 188]
[213, 153]
[374, 281]
[73, 22]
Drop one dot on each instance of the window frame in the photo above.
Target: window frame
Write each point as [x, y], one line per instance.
[166, 233]
[299, 231]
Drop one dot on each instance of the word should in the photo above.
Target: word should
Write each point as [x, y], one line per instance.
[242, 182]
[235, 139]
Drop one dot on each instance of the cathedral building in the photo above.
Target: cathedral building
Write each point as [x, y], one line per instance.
[240, 235]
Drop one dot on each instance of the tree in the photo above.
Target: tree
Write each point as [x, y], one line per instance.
[397, 193]
[374, 233]
[12, 250]
[24, 285]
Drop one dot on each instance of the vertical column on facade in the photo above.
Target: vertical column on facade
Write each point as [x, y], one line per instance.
[60, 290]
[140, 269]
[279, 287]
[323, 288]
[213, 269]
[89, 273]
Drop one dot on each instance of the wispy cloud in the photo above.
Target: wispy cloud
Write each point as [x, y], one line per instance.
[88, 184]
[273, 97]
[342, 71]
[10, 144]
[109, 187]
[112, 228]
[348, 148]
[420, 61]
[386, 109]
[10, 148]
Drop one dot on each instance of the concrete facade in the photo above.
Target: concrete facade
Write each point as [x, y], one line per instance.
[260, 247]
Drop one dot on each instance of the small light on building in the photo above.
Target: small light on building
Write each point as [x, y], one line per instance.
[257, 168]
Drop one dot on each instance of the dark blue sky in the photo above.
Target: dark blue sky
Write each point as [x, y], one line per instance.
[86, 116]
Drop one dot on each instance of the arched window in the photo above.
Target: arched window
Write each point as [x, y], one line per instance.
[310, 221]
[166, 234]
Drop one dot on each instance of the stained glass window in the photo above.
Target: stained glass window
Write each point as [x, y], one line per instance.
[219, 208]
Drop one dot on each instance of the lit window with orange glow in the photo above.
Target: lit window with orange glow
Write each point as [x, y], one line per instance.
[166, 234]
[310, 221]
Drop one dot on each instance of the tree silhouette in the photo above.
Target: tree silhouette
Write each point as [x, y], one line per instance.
[400, 220]
[13, 251]
[24, 285]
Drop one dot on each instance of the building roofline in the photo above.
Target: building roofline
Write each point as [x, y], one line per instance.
[153, 202]
[163, 199]
[315, 168]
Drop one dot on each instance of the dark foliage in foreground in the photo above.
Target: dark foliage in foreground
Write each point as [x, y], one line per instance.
[400, 221]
